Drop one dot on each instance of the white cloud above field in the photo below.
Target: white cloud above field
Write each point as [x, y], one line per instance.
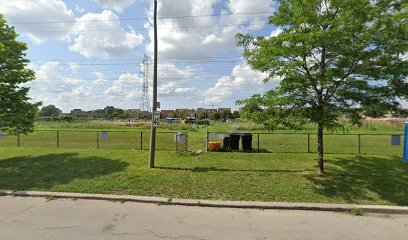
[98, 35]
[241, 77]
[78, 48]
[117, 5]
[58, 19]
[204, 36]
[111, 42]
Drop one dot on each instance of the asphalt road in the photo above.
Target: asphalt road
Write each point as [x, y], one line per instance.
[39, 219]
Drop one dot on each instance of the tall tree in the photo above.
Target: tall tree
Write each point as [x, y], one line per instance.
[16, 112]
[216, 116]
[50, 111]
[334, 57]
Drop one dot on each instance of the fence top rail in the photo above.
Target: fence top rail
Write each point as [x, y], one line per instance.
[312, 134]
[94, 131]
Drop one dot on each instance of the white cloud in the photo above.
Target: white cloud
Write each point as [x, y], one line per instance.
[174, 81]
[19, 12]
[100, 78]
[53, 86]
[117, 5]
[184, 90]
[242, 76]
[112, 42]
[74, 67]
[86, 35]
[177, 39]
[125, 84]
[79, 9]
[276, 32]
[250, 6]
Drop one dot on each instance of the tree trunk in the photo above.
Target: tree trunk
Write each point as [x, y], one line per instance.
[320, 160]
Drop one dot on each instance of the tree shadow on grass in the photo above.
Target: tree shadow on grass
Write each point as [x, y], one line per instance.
[46, 171]
[358, 179]
[213, 169]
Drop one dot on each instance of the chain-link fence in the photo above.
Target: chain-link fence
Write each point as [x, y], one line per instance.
[97, 139]
[307, 143]
[186, 141]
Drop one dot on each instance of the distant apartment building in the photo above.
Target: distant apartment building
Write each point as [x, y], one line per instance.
[165, 113]
[224, 110]
[186, 112]
[210, 112]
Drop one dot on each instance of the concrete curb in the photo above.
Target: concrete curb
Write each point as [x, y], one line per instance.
[216, 204]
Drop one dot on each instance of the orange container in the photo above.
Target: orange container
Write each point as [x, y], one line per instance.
[214, 146]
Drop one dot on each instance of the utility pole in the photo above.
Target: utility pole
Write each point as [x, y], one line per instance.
[152, 154]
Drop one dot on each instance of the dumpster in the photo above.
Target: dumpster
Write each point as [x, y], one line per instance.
[234, 141]
[247, 141]
[226, 145]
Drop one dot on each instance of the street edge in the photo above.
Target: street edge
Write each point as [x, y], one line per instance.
[213, 203]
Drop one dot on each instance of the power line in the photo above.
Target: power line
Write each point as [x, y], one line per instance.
[134, 59]
[142, 18]
[144, 29]
[137, 63]
[219, 14]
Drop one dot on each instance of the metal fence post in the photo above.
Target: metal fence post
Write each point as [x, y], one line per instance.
[18, 139]
[206, 141]
[57, 138]
[97, 139]
[258, 142]
[176, 142]
[141, 140]
[186, 140]
[359, 143]
[308, 142]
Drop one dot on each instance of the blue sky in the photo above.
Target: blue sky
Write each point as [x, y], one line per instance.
[88, 54]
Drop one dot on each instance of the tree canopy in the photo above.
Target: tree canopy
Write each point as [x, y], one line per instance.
[16, 112]
[50, 111]
[334, 58]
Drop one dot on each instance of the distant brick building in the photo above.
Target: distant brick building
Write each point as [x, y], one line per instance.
[165, 113]
[186, 112]
[224, 110]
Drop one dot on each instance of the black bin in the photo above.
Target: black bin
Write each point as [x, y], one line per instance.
[234, 141]
[226, 143]
[247, 141]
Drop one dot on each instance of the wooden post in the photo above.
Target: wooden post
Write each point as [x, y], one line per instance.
[152, 154]
[308, 142]
[18, 139]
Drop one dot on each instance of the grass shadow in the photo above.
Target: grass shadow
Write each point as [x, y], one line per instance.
[360, 178]
[46, 171]
[213, 169]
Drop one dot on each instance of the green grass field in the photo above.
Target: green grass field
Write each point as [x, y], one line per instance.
[73, 136]
[228, 176]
